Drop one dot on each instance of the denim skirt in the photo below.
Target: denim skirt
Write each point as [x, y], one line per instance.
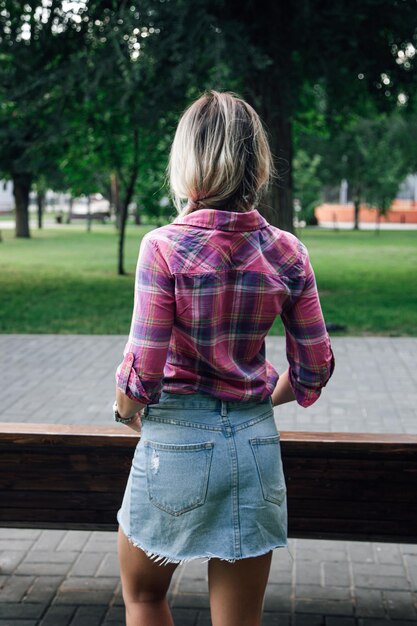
[206, 481]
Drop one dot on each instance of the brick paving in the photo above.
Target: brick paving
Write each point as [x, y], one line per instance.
[71, 578]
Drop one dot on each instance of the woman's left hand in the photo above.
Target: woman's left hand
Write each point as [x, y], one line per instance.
[136, 423]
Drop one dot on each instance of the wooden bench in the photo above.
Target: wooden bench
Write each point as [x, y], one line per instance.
[340, 485]
[101, 216]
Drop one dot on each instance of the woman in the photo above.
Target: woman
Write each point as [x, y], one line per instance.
[206, 477]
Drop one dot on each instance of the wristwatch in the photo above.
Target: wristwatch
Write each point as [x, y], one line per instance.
[119, 418]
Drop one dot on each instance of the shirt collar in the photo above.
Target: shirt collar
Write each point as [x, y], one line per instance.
[217, 219]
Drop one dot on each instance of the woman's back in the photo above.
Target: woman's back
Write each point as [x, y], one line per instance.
[222, 277]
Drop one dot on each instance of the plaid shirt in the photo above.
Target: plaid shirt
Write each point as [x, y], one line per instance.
[208, 288]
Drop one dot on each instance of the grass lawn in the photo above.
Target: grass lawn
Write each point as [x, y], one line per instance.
[64, 280]
[367, 281]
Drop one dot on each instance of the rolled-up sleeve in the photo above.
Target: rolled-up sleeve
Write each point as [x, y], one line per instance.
[140, 374]
[309, 352]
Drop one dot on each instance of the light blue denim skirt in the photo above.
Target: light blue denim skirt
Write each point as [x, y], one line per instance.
[206, 481]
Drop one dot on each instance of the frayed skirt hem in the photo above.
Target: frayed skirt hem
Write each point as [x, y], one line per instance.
[164, 559]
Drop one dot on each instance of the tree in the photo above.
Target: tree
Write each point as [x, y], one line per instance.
[389, 164]
[370, 155]
[110, 80]
[307, 183]
[356, 51]
[120, 111]
[37, 44]
[138, 72]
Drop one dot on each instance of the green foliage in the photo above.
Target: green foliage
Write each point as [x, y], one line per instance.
[373, 153]
[357, 56]
[370, 155]
[37, 49]
[307, 185]
[389, 163]
[90, 91]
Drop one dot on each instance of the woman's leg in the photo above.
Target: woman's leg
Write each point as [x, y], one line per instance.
[237, 590]
[144, 584]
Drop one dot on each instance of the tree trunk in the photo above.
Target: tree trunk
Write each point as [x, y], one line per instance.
[274, 109]
[40, 199]
[356, 204]
[273, 94]
[122, 229]
[127, 200]
[70, 204]
[138, 220]
[88, 214]
[21, 189]
[280, 210]
[115, 199]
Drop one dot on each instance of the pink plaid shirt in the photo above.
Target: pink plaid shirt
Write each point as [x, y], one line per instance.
[208, 288]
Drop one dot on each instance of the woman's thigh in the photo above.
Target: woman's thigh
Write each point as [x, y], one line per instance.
[237, 590]
[143, 580]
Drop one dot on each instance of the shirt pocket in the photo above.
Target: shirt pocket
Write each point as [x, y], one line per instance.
[177, 475]
[267, 455]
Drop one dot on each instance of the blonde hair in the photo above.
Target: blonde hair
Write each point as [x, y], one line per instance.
[220, 156]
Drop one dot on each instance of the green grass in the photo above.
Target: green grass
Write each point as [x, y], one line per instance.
[64, 280]
[367, 281]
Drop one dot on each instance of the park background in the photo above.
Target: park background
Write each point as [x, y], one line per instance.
[90, 94]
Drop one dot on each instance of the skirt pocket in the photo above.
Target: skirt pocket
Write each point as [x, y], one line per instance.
[177, 475]
[267, 453]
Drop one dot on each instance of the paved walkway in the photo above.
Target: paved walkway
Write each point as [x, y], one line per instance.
[71, 578]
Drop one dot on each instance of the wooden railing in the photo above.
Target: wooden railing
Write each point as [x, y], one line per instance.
[339, 485]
